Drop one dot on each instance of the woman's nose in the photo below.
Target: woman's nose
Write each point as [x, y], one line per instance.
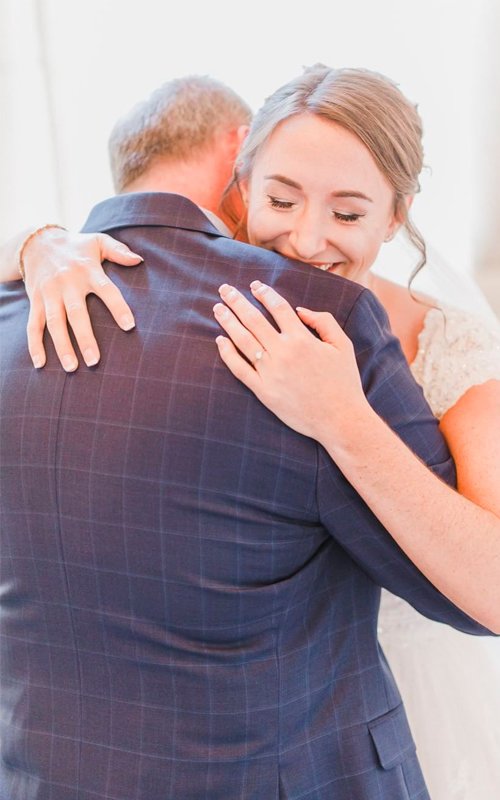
[308, 239]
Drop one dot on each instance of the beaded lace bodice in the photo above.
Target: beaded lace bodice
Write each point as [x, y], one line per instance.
[456, 350]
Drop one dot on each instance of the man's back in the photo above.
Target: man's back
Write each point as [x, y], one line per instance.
[177, 619]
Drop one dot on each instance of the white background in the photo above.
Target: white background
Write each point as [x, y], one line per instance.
[68, 69]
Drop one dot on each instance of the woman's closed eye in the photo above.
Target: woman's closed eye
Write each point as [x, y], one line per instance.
[347, 217]
[275, 202]
[287, 205]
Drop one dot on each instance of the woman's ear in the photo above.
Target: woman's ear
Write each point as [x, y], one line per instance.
[408, 200]
[399, 217]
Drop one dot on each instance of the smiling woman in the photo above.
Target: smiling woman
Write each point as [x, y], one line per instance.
[335, 218]
[328, 172]
[363, 190]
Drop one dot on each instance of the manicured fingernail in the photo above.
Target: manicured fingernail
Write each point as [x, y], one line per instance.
[38, 362]
[220, 310]
[69, 363]
[221, 342]
[227, 292]
[127, 322]
[90, 357]
[257, 286]
[122, 248]
[272, 299]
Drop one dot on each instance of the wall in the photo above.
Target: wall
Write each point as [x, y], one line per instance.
[101, 56]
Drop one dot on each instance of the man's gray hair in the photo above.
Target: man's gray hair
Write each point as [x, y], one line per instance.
[179, 119]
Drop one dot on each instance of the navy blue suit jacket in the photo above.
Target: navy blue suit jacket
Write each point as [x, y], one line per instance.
[189, 589]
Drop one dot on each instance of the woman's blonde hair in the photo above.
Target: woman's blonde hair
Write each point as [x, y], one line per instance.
[364, 102]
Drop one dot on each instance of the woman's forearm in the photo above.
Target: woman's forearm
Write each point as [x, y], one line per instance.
[9, 256]
[453, 541]
[309, 382]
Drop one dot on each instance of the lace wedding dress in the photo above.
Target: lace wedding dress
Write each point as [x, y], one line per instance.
[450, 682]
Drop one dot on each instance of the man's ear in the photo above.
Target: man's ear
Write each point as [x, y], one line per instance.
[243, 187]
[236, 138]
[241, 135]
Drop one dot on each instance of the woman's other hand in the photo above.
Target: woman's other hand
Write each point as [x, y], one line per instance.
[61, 269]
[312, 384]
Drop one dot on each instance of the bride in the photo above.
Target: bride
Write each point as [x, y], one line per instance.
[327, 184]
[450, 683]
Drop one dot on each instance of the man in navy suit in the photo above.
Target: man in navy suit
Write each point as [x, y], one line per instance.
[188, 589]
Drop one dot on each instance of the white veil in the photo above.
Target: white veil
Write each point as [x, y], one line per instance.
[437, 279]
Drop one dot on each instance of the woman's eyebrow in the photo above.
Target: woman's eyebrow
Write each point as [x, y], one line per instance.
[341, 193]
[282, 179]
[352, 193]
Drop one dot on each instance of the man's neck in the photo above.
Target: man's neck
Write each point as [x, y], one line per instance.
[191, 179]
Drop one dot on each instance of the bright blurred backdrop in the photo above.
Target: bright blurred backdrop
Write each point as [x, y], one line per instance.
[68, 69]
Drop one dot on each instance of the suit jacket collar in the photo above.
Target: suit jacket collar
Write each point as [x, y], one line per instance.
[148, 208]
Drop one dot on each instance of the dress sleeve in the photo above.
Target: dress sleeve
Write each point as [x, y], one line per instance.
[457, 350]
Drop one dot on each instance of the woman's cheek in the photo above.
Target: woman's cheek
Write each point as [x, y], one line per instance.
[262, 228]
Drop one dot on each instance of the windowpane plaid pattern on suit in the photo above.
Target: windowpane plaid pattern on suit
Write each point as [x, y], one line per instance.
[189, 589]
